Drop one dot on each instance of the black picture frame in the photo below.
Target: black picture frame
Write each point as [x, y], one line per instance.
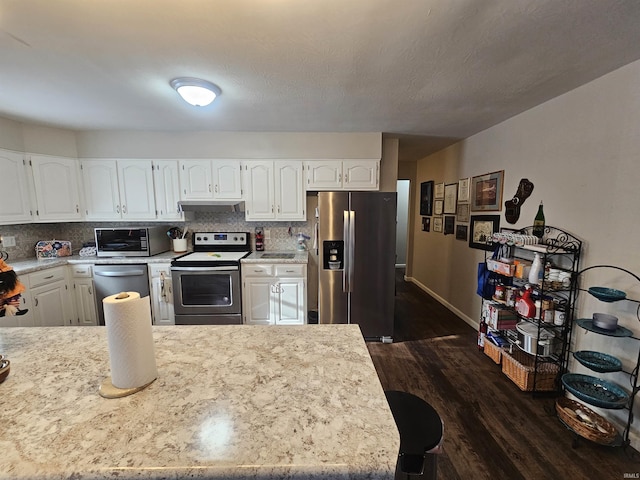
[461, 232]
[426, 198]
[449, 224]
[482, 228]
[426, 224]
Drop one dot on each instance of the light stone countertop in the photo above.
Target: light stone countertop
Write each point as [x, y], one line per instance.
[299, 256]
[301, 402]
[22, 267]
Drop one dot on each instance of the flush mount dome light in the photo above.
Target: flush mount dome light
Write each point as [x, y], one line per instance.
[195, 91]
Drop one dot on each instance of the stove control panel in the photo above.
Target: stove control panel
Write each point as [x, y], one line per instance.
[221, 239]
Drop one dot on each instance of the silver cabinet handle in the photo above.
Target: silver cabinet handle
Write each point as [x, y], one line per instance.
[117, 208]
[36, 301]
[48, 277]
[124, 209]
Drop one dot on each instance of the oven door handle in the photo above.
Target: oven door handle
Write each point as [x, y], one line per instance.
[204, 269]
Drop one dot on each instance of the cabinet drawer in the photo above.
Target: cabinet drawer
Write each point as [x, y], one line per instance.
[290, 270]
[46, 276]
[257, 270]
[79, 271]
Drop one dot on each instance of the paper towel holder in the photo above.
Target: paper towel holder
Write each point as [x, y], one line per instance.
[108, 390]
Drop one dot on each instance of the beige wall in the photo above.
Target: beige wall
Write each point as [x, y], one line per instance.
[582, 152]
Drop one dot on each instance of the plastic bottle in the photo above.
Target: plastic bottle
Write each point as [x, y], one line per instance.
[538, 222]
[536, 270]
[482, 332]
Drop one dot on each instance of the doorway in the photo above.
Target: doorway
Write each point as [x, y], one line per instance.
[402, 223]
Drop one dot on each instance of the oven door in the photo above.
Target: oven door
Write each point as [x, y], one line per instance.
[206, 290]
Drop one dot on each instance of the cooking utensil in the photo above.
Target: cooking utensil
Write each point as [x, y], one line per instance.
[535, 342]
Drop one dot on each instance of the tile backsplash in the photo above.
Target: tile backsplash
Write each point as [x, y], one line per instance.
[27, 235]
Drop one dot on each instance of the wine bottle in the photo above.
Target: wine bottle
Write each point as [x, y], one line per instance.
[538, 222]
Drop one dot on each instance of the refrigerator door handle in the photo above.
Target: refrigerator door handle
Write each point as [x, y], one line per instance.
[352, 248]
[345, 253]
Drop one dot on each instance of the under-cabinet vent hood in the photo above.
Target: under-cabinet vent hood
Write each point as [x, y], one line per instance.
[211, 206]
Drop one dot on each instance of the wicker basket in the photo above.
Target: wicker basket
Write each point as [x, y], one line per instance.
[492, 351]
[519, 367]
[564, 405]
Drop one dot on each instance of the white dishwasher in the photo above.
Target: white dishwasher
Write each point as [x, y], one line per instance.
[112, 279]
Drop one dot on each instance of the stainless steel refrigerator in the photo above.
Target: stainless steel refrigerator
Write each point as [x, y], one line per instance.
[356, 260]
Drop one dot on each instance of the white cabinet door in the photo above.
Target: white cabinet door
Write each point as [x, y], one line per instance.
[15, 199]
[227, 179]
[56, 188]
[196, 180]
[258, 306]
[51, 305]
[289, 190]
[260, 190]
[85, 301]
[135, 179]
[324, 175]
[102, 197]
[290, 301]
[166, 181]
[161, 294]
[360, 174]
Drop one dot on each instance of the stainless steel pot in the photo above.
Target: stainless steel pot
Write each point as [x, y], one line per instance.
[529, 340]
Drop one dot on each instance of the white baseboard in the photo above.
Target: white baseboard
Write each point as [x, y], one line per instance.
[468, 320]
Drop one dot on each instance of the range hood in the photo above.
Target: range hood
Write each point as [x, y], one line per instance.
[228, 206]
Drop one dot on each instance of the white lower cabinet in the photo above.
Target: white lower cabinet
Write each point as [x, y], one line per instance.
[84, 292]
[274, 294]
[162, 309]
[50, 296]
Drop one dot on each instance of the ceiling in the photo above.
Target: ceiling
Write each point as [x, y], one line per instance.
[429, 72]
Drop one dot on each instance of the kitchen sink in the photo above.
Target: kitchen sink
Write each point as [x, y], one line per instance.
[277, 255]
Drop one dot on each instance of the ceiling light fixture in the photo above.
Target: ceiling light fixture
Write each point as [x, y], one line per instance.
[195, 91]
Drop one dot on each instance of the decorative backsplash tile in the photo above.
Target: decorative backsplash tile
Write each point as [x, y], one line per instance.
[283, 234]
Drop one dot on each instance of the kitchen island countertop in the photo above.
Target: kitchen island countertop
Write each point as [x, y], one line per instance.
[237, 401]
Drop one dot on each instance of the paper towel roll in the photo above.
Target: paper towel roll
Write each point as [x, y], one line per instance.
[131, 350]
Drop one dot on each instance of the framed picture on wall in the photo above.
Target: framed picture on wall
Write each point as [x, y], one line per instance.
[461, 232]
[437, 224]
[426, 198]
[426, 224]
[449, 223]
[463, 190]
[482, 229]
[462, 213]
[450, 196]
[439, 190]
[438, 207]
[486, 192]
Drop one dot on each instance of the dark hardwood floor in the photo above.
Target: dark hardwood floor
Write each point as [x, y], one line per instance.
[492, 430]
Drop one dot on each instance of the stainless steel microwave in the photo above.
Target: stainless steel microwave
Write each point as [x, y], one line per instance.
[132, 242]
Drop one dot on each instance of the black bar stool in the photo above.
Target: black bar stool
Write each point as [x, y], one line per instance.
[421, 435]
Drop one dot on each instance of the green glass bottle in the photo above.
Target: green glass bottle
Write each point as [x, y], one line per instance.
[538, 222]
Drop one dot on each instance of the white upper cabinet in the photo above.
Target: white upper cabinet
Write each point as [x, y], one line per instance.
[119, 189]
[274, 190]
[57, 189]
[15, 199]
[343, 174]
[135, 179]
[289, 192]
[166, 181]
[210, 180]
[227, 179]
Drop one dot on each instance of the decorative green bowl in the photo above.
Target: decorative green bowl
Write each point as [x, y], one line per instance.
[607, 294]
[597, 361]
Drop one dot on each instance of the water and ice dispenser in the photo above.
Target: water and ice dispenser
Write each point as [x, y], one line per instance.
[333, 254]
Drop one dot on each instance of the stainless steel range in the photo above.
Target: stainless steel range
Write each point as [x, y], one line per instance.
[206, 283]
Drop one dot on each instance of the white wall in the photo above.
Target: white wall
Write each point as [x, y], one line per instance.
[582, 152]
[402, 219]
[105, 144]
